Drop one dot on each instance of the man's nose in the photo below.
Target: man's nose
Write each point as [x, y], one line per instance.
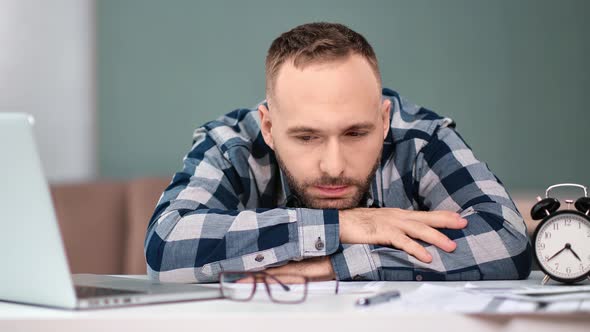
[332, 160]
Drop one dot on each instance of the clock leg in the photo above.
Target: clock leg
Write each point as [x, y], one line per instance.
[546, 279]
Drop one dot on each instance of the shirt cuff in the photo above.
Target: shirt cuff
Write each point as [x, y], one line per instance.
[355, 262]
[319, 232]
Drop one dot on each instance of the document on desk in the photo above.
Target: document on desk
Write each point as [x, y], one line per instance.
[540, 293]
[436, 298]
[433, 298]
[530, 290]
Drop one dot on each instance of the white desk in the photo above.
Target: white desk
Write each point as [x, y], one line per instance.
[318, 313]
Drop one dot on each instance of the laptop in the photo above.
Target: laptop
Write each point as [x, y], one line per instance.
[34, 264]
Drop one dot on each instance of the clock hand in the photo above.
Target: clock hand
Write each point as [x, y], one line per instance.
[557, 253]
[573, 252]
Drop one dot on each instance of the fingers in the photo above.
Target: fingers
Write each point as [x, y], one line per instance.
[412, 247]
[400, 228]
[439, 219]
[422, 225]
[430, 235]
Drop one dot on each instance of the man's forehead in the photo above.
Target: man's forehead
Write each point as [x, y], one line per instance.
[335, 115]
[348, 81]
[327, 118]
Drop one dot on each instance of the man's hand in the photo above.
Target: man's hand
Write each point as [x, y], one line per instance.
[398, 228]
[318, 269]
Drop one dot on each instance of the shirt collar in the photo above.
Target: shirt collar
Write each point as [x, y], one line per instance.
[373, 197]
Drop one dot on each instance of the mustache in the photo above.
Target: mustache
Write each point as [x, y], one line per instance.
[331, 181]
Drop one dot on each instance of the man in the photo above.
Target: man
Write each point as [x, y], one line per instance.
[334, 177]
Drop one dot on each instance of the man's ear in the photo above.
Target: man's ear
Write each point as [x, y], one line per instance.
[265, 125]
[385, 111]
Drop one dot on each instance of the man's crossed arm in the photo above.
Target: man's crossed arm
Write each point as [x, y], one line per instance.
[390, 227]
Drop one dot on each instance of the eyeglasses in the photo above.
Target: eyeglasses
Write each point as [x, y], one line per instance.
[281, 288]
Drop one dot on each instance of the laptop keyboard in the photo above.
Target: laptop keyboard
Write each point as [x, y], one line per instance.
[84, 292]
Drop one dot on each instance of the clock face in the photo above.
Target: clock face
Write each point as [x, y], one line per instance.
[562, 246]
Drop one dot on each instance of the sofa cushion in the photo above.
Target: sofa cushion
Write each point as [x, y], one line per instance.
[93, 225]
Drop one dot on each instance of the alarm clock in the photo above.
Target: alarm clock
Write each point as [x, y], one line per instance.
[562, 239]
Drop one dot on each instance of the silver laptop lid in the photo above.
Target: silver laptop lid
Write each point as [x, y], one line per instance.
[34, 264]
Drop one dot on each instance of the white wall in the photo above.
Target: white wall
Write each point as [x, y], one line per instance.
[47, 69]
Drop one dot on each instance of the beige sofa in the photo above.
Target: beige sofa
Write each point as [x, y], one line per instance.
[104, 223]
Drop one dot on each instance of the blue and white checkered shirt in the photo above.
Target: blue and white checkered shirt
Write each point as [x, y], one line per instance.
[230, 208]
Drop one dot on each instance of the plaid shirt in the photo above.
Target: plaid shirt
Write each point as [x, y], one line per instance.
[230, 208]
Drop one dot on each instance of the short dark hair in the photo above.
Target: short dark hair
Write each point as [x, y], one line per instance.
[313, 43]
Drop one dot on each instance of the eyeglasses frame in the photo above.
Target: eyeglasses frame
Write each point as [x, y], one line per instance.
[256, 275]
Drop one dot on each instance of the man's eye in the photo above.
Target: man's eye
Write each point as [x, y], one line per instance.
[356, 134]
[306, 139]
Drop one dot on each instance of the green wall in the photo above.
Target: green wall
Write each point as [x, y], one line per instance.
[513, 74]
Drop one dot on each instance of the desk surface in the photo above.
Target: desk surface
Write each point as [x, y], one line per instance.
[318, 312]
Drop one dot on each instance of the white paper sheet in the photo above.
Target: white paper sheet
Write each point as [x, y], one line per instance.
[530, 290]
[436, 298]
[547, 293]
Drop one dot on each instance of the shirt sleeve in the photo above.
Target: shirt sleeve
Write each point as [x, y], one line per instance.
[447, 176]
[200, 226]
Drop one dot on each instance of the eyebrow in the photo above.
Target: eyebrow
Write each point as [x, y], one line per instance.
[304, 129]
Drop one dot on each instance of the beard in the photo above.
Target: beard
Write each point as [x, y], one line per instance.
[298, 188]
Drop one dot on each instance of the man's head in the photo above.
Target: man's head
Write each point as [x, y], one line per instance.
[325, 118]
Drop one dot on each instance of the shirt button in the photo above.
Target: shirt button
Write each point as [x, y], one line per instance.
[419, 277]
[319, 244]
[259, 258]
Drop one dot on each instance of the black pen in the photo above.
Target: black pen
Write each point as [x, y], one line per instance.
[379, 298]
